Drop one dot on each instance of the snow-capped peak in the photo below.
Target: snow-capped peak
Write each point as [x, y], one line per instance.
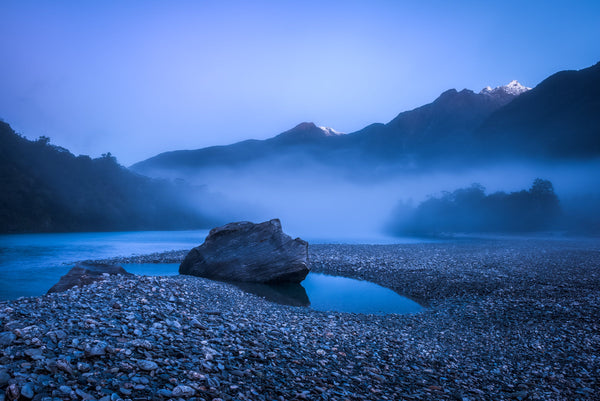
[307, 131]
[513, 88]
[330, 131]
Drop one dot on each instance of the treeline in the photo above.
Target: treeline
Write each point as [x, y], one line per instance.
[470, 210]
[45, 188]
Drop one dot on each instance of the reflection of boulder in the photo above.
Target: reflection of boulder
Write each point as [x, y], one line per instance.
[85, 273]
[248, 252]
[292, 294]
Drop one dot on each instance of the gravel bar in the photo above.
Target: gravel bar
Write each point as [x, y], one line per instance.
[505, 320]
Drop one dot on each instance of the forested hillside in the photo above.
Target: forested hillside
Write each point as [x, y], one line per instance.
[45, 188]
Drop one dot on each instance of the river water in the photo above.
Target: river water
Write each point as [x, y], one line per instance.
[31, 263]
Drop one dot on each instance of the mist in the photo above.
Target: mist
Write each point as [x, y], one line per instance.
[325, 203]
[51, 190]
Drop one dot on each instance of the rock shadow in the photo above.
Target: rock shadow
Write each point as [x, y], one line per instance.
[292, 294]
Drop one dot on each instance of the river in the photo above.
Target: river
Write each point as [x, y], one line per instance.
[31, 263]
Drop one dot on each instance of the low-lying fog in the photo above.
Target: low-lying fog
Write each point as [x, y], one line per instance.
[316, 203]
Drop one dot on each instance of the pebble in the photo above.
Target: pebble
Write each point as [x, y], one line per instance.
[27, 391]
[183, 391]
[65, 389]
[83, 367]
[163, 392]
[13, 392]
[96, 349]
[7, 338]
[147, 365]
[505, 319]
[4, 378]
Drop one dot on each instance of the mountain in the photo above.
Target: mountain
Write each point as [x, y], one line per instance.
[45, 188]
[558, 119]
[442, 126]
[306, 132]
[305, 138]
[420, 131]
[513, 88]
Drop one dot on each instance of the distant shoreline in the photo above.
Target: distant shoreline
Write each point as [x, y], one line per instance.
[174, 256]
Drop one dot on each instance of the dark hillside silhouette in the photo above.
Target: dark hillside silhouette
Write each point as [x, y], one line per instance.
[45, 188]
[560, 118]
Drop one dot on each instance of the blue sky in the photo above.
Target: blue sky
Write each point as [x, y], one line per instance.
[140, 77]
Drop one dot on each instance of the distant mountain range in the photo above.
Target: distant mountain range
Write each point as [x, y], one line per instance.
[558, 119]
[45, 188]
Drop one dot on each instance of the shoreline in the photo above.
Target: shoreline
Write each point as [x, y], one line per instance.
[505, 319]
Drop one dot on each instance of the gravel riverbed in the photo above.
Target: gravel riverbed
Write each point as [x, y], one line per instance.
[505, 319]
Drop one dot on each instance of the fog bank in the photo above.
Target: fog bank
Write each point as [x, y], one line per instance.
[321, 202]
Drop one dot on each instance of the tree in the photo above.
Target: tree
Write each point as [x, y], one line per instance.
[43, 140]
[108, 157]
[545, 208]
[471, 210]
[542, 187]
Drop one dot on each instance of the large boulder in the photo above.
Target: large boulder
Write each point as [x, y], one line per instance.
[248, 252]
[85, 273]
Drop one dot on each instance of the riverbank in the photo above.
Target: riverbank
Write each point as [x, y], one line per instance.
[505, 320]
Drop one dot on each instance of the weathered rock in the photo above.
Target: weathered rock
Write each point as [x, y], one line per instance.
[147, 365]
[7, 338]
[34, 353]
[27, 391]
[13, 392]
[65, 366]
[4, 378]
[83, 367]
[183, 391]
[65, 389]
[163, 392]
[97, 348]
[248, 252]
[85, 273]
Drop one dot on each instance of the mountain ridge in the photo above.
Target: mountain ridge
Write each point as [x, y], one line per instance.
[560, 118]
[457, 127]
[453, 112]
[305, 131]
[514, 87]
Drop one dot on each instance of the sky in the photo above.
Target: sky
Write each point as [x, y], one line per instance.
[136, 78]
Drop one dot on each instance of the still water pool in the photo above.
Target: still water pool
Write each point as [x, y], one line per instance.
[318, 291]
[337, 294]
[341, 294]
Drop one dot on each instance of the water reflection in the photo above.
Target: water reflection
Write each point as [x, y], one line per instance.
[332, 293]
[285, 294]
